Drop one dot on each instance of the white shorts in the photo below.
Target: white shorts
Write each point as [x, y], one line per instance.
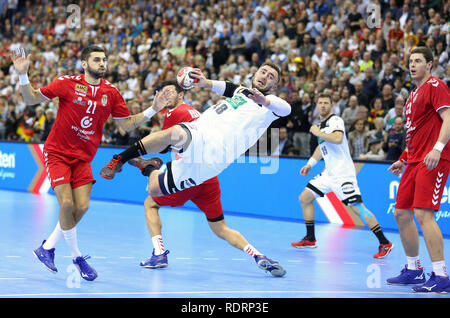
[345, 188]
[202, 160]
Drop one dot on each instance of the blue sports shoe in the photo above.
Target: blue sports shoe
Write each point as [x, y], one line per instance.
[86, 271]
[407, 277]
[156, 261]
[46, 257]
[436, 284]
[269, 266]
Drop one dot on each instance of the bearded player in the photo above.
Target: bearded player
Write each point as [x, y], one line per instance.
[211, 143]
[85, 103]
[205, 196]
[427, 160]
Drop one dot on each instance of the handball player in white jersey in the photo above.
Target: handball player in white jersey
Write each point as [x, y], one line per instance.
[210, 144]
[339, 176]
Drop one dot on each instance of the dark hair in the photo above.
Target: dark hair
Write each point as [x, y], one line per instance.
[425, 51]
[275, 67]
[174, 83]
[325, 95]
[90, 49]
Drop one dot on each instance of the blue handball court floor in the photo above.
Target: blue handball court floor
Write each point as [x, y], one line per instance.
[200, 264]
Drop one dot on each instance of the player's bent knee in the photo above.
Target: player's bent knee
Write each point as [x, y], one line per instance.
[178, 136]
[154, 189]
[150, 204]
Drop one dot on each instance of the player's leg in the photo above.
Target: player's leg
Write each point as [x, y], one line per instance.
[46, 252]
[154, 225]
[82, 197]
[176, 136]
[430, 186]
[412, 273]
[307, 198]
[439, 280]
[236, 239]
[385, 246]
[207, 198]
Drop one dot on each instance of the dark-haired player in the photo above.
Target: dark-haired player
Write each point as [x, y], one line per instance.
[205, 196]
[85, 103]
[427, 159]
[210, 144]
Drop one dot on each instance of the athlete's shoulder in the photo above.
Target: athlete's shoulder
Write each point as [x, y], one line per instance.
[436, 83]
[108, 85]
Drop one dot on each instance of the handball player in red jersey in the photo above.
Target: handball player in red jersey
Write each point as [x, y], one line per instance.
[427, 160]
[85, 103]
[205, 196]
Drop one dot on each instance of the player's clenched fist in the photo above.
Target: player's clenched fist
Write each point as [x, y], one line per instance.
[305, 170]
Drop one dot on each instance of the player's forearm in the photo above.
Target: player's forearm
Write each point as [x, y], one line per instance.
[317, 155]
[30, 95]
[335, 137]
[444, 133]
[133, 122]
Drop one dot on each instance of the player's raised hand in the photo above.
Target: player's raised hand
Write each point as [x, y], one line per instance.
[431, 160]
[305, 170]
[258, 97]
[162, 99]
[198, 74]
[20, 60]
[397, 168]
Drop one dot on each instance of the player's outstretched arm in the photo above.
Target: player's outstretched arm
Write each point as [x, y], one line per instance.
[21, 63]
[133, 122]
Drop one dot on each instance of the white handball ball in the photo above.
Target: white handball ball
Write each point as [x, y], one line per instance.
[184, 80]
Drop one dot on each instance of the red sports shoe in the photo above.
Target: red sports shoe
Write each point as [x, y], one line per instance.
[305, 242]
[384, 250]
[143, 163]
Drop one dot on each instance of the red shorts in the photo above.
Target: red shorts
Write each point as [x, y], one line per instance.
[422, 188]
[205, 196]
[61, 169]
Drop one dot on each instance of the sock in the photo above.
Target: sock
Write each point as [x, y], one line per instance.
[439, 268]
[147, 170]
[310, 230]
[54, 238]
[158, 244]
[136, 150]
[379, 234]
[250, 250]
[71, 239]
[413, 262]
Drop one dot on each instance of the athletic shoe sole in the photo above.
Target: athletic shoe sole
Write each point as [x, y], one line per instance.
[306, 246]
[155, 266]
[277, 271]
[48, 268]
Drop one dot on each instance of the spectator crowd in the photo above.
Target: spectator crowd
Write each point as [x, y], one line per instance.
[341, 47]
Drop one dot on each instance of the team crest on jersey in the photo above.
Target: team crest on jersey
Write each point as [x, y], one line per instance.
[81, 89]
[104, 99]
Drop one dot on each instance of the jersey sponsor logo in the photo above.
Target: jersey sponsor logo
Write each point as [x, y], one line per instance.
[348, 188]
[81, 89]
[86, 122]
[236, 101]
[104, 99]
[79, 101]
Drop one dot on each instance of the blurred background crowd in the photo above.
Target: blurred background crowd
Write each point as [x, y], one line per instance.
[355, 50]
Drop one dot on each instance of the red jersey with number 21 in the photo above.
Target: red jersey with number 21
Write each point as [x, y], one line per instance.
[423, 122]
[82, 112]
